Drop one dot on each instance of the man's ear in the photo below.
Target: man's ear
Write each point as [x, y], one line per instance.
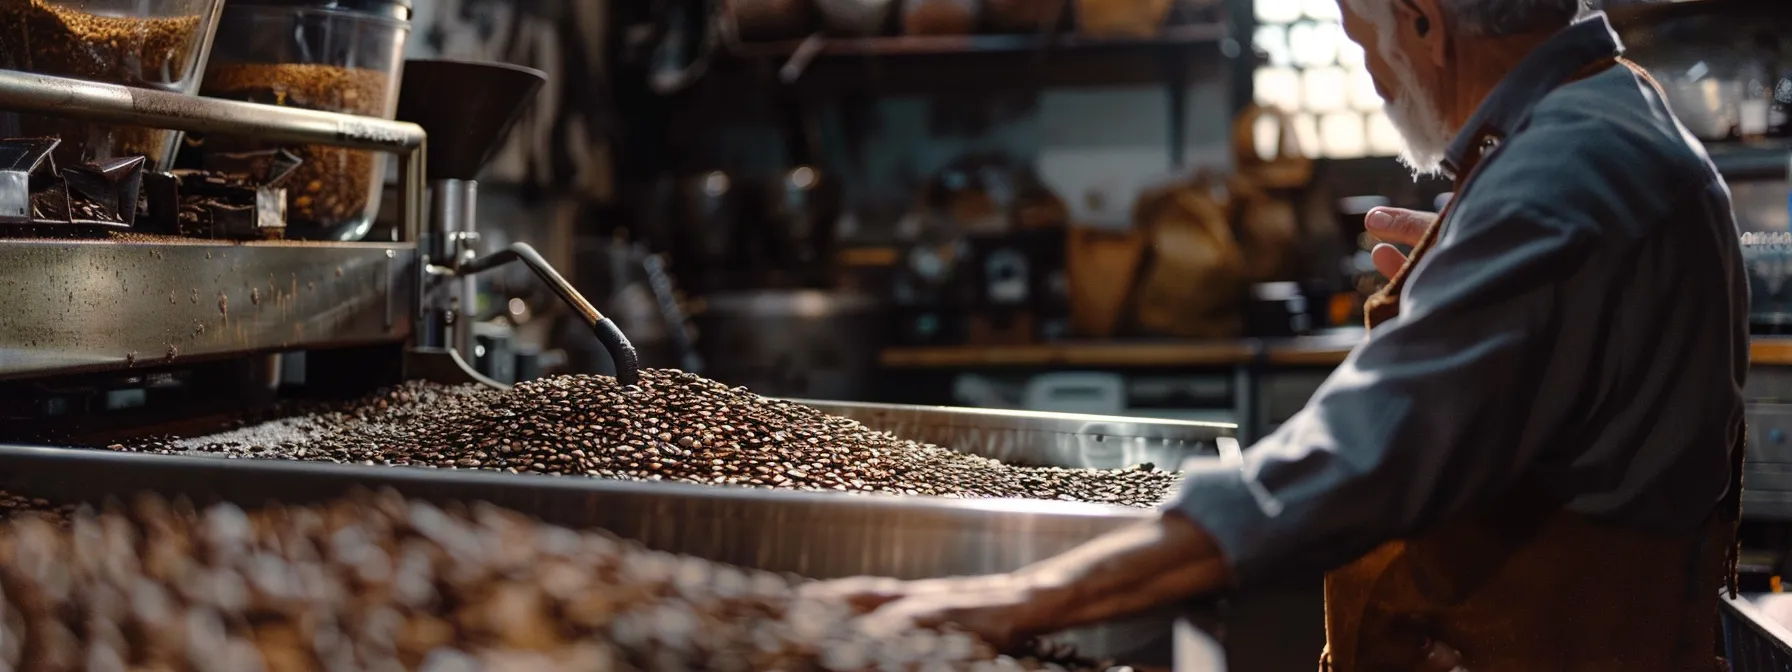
[1428, 21]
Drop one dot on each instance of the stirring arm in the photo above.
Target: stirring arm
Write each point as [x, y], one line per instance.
[628, 364]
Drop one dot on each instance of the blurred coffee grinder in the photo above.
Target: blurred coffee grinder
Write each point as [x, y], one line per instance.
[789, 329]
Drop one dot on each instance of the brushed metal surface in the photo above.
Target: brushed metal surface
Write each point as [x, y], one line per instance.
[73, 306]
[1767, 470]
[110, 103]
[816, 535]
[1036, 438]
[1755, 634]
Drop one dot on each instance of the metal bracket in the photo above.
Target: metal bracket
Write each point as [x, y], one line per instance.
[78, 326]
[445, 366]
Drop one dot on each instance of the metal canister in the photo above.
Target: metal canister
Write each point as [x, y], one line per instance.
[801, 343]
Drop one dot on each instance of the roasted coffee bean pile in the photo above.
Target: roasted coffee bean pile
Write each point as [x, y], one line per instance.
[333, 185]
[50, 38]
[378, 582]
[672, 426]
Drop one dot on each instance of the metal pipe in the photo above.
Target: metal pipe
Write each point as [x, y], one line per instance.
[108, 103]
[412, 179]
[453, 211]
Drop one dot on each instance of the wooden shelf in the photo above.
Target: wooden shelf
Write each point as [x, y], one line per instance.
[1307, 351]
[1762, 160]
[947, 45]
[1771, 351]
[982, 63]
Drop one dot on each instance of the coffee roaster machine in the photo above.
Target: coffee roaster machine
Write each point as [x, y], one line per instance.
[124, 334]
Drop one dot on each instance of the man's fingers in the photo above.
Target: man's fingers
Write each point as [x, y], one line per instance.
[1398, 225]
[885, 623]
[1387, 259]
[862, 593]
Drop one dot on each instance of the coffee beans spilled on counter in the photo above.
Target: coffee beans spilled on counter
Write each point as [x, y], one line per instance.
[672, 426]
[379, 582]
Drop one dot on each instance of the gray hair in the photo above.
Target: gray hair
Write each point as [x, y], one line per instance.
[1499, 18]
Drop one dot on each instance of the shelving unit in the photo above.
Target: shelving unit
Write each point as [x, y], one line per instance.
[959, 45]
[824, 67]
[1752, 161]
[832, 66]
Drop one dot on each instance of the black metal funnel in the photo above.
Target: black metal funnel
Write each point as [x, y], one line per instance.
[466, 107]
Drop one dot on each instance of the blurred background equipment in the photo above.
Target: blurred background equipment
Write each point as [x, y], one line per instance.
[793, 343]
[1142, 207]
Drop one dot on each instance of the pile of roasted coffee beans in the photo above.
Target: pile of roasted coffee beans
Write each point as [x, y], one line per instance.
[672, 426]
[379, 582]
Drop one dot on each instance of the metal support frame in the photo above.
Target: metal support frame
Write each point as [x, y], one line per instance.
[85, 305]
[450, 312]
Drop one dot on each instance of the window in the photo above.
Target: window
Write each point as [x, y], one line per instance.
[1316, 74]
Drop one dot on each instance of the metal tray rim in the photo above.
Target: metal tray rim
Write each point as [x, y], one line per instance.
[1043, 421]
[400, 474]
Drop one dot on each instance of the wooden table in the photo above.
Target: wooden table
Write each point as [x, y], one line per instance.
[1771, 351]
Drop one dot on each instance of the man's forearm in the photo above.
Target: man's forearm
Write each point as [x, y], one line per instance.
[1143, 566]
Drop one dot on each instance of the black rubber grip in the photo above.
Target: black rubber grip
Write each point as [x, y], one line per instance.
[628, 364]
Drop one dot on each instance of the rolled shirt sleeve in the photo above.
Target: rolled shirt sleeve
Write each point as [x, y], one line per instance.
[1425, 419]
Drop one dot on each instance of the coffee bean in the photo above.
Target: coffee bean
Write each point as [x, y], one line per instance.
[57, 38]
[333, 185]
[375, 581]
[671, 426]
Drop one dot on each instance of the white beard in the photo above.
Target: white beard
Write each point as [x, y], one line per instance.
[1421, 125]
[1425, 132]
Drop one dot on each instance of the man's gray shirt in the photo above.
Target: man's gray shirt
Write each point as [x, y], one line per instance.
[1582, 322]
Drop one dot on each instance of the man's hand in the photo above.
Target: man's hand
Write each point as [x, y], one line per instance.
[1001, 609]
[1122, 573]
[1399, 227]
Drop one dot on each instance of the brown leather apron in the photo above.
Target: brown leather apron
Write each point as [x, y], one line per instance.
[1524, 585]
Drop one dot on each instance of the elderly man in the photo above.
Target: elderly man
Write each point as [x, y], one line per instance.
[1532, 462]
